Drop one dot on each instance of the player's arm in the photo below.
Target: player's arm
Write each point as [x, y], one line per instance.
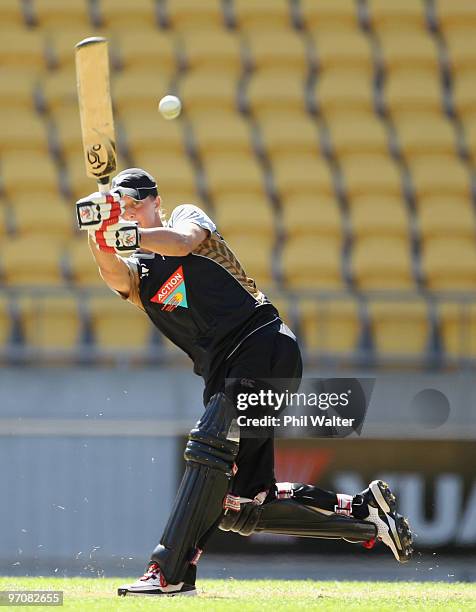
[112, 268]
[175, 242]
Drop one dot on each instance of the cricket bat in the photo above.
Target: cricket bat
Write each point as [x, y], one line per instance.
[95, 109]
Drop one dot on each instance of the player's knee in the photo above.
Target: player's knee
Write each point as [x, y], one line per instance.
[242, 522]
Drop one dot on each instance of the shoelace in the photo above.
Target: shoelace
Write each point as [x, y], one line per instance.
[153, 571]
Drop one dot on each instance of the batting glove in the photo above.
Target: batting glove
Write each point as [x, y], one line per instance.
[93, 210]
[121, 238]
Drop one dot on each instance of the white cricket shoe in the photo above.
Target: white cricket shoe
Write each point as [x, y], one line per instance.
[392, 528]
[154, 583]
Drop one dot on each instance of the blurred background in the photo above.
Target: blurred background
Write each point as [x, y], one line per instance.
[334, 143]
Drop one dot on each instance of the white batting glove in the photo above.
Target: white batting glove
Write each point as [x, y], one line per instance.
[93, 210]
[121, 238]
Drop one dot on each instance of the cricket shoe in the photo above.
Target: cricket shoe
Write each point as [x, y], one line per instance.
[392, 528]
[153, 583]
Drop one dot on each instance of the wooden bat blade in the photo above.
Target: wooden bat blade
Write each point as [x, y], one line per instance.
[95, 108]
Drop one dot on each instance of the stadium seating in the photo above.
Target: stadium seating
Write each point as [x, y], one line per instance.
[49, 215]
[287, 133]
[117, 325]
[413, 90]
[248, 216]
[464, 94]
[449, 264]
[331, 327]
[255, 255]
[29, 174]
[208, 91]
[23, 131]
[34, 261]
[308, 263]
[455, 14]
[23, 49]
[461, 52]
[419, 135]
[57, 14]
[403, 15]
[60, 44]
[188, 15]
[399, 328]
[6, 325]
[457, 327]
[376, 215]
[228, 172]
[329, 15]
[139, 90]
[441, 216]
[51, 323]
[352, 133]
[145, 132]
[370, 174]
[82, 269]
[311, 215]
[440, 175]
[344, 90]
[221, 132]
[403, 48]
[302, 174]
[282, 49]
[343, 50]
[19, 95]
[265, 92]
[380, 263]
[174, 173]
[153, 53]
[200, 50]
[262, 15]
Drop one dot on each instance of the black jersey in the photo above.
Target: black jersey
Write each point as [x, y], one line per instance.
[203, 302]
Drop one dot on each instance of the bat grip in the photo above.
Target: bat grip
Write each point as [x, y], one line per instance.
[104, 187]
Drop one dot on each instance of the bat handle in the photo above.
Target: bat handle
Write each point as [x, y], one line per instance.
[104, 187]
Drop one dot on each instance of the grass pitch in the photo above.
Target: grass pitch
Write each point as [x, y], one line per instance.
[245, 595]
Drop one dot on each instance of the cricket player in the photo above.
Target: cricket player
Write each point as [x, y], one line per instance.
[187, 280]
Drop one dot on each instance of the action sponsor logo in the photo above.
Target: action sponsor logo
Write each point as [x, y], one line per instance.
[173, 292]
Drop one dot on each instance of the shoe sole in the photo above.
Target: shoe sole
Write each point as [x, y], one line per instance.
[399, 527]
[155, 593]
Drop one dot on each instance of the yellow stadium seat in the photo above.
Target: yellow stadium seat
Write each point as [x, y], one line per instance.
[145, 132]
[352, 133]
[302, 174]
[375, 215]
[221, 132]
[188, 15]
[121, 16]
[139, 90]
[29, 174]
[464, 94]
[412, 91]
[32, 260]
[172, 198]
[13, 14]
[17, 90]
[286, 133]
[449, 264]
[454, 14]
[59, 92]
[420, 134]
[470, 135]
[208, 91]
[370, 174]
[5, 323]
[51, 323]
[22, 130]
[273, 90]
[263, 14]
[404, 15]
[35, 215]
[5, 217]
[461, 51]
[23, 49]
[399, 329]
[380, 263]
[83, 269]
[313, 263]
[61, 43]
[331, 326]
[311, 215]
[255, 255]
[282, 49]
[344, 50]
[210, 49]
[57, 14]
[229, 173]
[67, 126]
[344, 90]
[173, 172]
[401, 48]
[153, 53]
[440, 175]
[329, 15]
[252, 215]
[118, 325]
[457, 326]
[441, 216]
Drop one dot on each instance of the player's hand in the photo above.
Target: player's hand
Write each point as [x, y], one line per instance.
[98, 210]
[121, 238]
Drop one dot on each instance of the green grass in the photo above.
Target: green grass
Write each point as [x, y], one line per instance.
[244, 595]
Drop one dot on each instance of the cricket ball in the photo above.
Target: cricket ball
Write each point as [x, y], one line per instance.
[170, 107]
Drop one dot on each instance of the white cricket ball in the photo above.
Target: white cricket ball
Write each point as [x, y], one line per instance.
[170, 107]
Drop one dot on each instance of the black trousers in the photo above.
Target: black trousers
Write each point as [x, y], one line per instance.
[270, 353]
